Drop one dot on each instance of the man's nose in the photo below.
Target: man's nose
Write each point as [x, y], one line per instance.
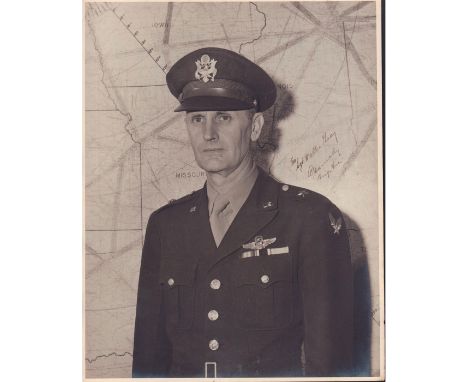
[209, 130]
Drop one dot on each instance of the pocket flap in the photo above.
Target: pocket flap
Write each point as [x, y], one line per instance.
[174, 273]
[263, 271]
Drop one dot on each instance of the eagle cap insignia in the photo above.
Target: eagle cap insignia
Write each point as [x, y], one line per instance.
[335, 223]
[259, 243]
[206, 68]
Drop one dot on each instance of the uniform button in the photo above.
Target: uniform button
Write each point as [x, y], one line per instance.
[285, 187]
[213, 345]
[213, 315]
[170, 282]
[215, 284]
[265, 279]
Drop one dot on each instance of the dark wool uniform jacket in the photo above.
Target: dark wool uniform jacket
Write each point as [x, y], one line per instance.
[266, 307]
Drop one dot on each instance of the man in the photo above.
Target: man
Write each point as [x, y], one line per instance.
[240, 278]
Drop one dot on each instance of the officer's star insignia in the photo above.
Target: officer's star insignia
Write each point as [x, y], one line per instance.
[335, 223]
[206, 70]
[259, 243]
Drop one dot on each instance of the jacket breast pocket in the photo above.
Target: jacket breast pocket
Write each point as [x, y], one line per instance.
[178, 282]
[263, 292]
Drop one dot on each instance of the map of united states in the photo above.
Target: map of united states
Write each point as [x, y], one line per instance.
[322, 134]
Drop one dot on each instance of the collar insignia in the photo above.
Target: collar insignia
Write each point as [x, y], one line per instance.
[206, 70]
[268, 204]
[302, 193]
[193, 209]
[259, 243]
[336, 224]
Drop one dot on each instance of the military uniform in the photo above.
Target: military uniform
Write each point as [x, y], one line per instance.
[241, 302]
[280, 278]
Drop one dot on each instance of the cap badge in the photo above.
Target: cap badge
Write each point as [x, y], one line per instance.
[206, 70]
[336, 224]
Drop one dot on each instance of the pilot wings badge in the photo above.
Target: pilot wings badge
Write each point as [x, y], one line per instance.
[206, 70]
[259, 243]
[258, 248]
[335, 223]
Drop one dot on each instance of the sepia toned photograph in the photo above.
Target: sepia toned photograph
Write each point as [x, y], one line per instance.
[233, 190]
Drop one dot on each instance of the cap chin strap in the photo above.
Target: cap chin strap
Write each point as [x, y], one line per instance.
[224, 88]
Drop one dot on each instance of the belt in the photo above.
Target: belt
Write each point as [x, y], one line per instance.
[210, 369]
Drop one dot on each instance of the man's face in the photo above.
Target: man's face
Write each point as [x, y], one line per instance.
[220, 139]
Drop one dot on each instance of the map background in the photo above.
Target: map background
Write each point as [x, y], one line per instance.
[322, 135]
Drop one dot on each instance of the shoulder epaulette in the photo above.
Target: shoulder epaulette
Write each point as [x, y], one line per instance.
[303, 195]
[296, 192]
[174, 202]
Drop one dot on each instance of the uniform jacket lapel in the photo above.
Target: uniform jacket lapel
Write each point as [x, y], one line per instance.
[198, 225]
[259, 209]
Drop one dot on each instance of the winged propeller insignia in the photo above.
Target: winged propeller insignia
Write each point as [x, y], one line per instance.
[335, 223]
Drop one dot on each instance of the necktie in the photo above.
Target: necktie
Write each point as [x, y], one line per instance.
[220, 218]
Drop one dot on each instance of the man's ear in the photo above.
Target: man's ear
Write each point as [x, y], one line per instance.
[257, 124]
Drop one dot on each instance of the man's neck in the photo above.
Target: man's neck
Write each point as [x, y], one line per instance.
[222, 181]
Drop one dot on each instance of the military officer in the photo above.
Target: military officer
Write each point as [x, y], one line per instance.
[246, 277]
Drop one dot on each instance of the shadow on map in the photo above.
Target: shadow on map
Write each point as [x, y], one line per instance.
[267, 146]
[362, 300]
[270, 139]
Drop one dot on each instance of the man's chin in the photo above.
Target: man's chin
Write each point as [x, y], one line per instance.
[213, 169]
[212, 166]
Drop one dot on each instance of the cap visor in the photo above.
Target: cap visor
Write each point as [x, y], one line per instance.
[212, 104]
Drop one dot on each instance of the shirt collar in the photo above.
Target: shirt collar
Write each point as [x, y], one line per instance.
[236, 188]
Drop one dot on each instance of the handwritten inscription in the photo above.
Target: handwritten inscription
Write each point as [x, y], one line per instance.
[327, 138]
[298, 163]
[326, 167]
[327, 163]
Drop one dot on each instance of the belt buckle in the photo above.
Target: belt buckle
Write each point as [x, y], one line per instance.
[214, 369]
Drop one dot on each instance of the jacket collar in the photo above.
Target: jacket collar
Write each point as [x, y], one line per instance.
[259, 209]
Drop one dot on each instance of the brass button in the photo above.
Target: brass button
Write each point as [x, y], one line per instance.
[265, 279]
[170, 281]
[215, 284]
[285, 187]
[213, 315]
[213, 345]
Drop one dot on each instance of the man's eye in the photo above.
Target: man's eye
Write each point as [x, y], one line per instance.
[224, 117]
[197, 119]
